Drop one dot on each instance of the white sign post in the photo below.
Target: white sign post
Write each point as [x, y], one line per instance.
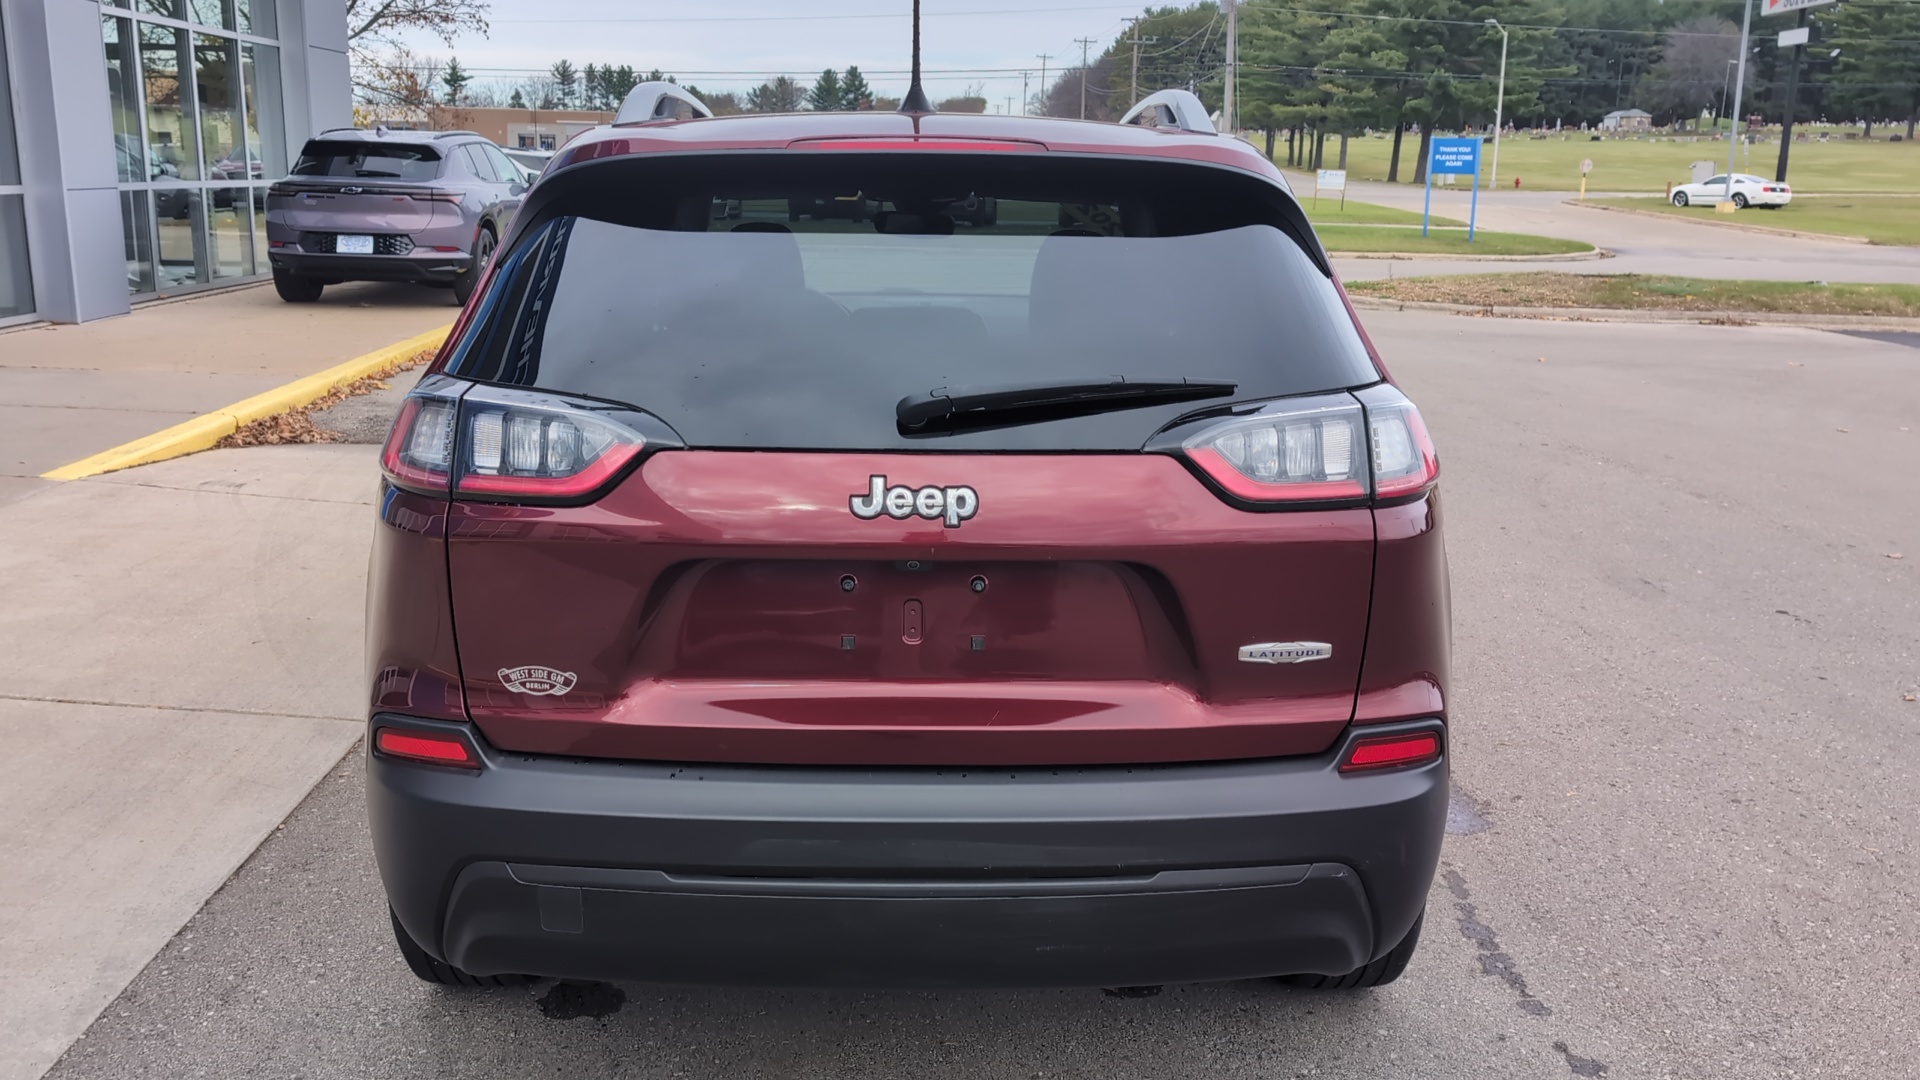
[1797, 36]
[1331, 180]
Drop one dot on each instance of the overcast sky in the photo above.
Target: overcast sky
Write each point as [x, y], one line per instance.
[736, 44]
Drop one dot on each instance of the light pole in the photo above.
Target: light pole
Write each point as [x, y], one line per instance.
[1499, 106]
[1725, 81]
[1739, 86]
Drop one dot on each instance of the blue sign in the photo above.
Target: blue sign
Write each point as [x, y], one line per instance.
[1453, 157]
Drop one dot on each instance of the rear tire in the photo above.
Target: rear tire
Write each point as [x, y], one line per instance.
[437, 971]
[294, 289]
[1679, 198]
[1739, 201]
[469, 279]
[1379, 973]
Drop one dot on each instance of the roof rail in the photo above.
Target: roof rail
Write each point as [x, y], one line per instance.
[451, 134]
[1174, 109]
[652, 101]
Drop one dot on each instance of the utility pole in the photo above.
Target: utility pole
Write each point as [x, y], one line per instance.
[1793, 101]
[1084, 44]
[1008, 111]
[1026, 97]
[1739, 85]
[1133, 90]
[1499, 107]
[1233, 64]
[1044, 57]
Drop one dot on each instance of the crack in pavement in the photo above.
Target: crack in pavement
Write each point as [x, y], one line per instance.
[223, 491]
[175, 708]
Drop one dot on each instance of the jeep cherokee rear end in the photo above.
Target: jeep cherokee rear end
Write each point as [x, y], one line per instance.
[1058, 601]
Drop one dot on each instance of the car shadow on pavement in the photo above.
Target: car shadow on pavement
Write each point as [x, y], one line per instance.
[290, 970]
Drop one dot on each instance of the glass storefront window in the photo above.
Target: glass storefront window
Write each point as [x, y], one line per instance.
[16, 272]
[230, 229]
[256, 17]
[136, 231]
[216, 67]
[123, 94]
[171, 138]
[179, 217]
[267, 146]
[208, 12]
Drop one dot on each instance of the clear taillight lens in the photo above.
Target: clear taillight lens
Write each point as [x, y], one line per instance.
[506, 445]
[1324, 449]
[1301, 451]
[527, 445]
[419, 451]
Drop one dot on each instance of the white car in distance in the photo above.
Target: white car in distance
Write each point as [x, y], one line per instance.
[1748, 190]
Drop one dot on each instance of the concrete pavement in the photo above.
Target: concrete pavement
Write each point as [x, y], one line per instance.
[1642, 244]
[68, 391]
[1683, 840]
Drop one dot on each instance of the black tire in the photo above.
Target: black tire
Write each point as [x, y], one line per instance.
[439, 972]
[1739, 201]
[296, 290]
[469, 279]
[991, 216]
[1679, 198]
[1379, 973]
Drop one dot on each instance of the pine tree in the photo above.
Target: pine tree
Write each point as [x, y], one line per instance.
[592, 94]
[779, 96]
[566, 84]
[854, 91]
[1877, 74]
[518, 100]
[456, 79]
[825, 95]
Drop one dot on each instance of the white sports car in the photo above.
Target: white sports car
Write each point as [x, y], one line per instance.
[1747, 191]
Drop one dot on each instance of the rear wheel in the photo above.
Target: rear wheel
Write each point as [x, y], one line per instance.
[440, 972]
[1679, 198]
[294, 289]
[1379, 973]
[469, 279]
[1739, 201]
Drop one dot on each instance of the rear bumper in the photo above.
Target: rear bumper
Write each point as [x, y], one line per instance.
[439, 267]
[904, 877]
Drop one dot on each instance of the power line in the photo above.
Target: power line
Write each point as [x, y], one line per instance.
[822, 18]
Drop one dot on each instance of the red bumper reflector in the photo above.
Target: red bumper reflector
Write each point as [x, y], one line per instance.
[1392, 752]
[434, 749]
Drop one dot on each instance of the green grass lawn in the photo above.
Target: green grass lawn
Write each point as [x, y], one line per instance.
[1645, 291]
[1628, 164]
[1329, 211]
[1884, 220]
[1365, 238]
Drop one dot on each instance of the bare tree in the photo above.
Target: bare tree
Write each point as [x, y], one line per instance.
[385, 71]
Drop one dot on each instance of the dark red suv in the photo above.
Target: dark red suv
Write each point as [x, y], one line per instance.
[1058, 600]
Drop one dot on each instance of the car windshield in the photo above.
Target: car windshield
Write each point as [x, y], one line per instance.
[802, 322]
[352, 158]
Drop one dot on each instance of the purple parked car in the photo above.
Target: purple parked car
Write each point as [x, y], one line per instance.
[422, 206]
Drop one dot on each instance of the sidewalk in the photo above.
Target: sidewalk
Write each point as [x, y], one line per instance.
[69, 391]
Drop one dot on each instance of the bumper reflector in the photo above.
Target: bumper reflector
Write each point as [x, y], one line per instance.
[433, 749]
[1392, 752]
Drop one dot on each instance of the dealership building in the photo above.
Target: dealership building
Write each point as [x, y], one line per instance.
[137, 138]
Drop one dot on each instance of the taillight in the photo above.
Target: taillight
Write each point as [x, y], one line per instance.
[1391, 751]
[521, 445]
[505, 445]
[1325, 449]
[445, 195]
[434, 748]
[419, 451]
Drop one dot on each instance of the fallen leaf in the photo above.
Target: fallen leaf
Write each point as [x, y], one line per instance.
[1906, 697]
[1543, 360]
[1840, 429]
[1895, 555]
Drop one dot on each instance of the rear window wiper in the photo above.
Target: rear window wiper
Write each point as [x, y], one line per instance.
[947, 409]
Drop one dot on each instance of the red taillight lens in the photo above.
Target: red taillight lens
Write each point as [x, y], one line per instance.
[435, 749]
[1392, 752]
[521, 445]
[1308, 450]
[419, 451]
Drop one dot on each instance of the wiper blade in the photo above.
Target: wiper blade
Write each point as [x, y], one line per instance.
[948, 408]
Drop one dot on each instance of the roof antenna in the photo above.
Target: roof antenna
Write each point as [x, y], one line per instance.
[916, 99]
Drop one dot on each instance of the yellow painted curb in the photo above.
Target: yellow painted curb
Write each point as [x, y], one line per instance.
[201, 432]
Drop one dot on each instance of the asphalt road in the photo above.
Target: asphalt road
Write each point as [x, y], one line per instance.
[1684, 840]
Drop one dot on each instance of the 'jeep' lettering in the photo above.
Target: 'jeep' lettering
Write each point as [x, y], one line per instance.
[951, 505]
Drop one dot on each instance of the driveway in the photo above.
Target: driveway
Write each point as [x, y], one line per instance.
[1682, 842]
[1644, 244]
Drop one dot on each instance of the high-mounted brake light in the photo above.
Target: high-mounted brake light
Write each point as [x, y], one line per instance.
[933, 142]
[1333, 448]
[1391, 752]
[433, 748]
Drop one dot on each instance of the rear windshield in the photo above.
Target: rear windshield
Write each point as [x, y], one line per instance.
[401, 161]
[801, 322]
